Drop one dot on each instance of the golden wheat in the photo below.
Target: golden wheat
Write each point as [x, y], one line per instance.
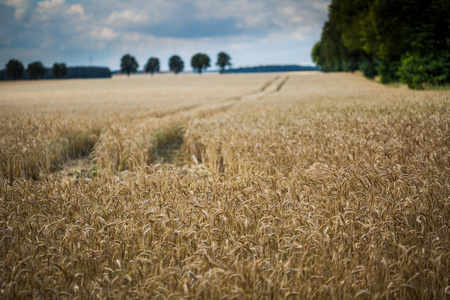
[323, 186]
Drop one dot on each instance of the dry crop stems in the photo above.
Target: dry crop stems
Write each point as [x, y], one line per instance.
[306, 193]
[32, 145]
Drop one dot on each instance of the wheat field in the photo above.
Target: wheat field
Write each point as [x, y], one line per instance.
[261, 186]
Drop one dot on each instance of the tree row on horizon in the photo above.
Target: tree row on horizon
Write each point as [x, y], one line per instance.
[199, 62]
[35, 70]
[15, 69]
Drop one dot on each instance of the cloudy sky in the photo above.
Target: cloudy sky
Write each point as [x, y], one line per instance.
[252, 32]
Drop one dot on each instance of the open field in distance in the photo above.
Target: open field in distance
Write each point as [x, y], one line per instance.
[290, 185]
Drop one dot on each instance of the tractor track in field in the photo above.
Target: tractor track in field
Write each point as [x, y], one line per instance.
[272, 86]
[81, 167]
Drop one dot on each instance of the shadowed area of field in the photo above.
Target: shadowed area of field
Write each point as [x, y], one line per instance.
[301, 185]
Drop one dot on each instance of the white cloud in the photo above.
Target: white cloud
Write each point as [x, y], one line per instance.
[76, 9]
[240, 9]
[47, 4]
[50, 11]
[104, 34]
[121, 18]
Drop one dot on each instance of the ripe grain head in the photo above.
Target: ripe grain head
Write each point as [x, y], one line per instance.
[332, 187]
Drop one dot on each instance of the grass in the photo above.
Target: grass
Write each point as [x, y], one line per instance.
[332, 187]
[167, 144]
[438, 87]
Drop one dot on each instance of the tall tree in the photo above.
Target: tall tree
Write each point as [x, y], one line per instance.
[176, 64]
[334, 56]
[315, 54]
[128, 64]
[35, 70]
[152, 65]
[59, 70]
[14, 69]
[388, 38]
[200, 62]
[223, 60]
[414, 26]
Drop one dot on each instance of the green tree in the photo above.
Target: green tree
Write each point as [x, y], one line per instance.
[346, 16]
[176, 64]
[368, 68]
[200, 62]
[152, 65]
[59, 70]
[315, 54]
[128, 64]
[380, 37]
[35, 70]
[333, 55]
[14, 69]
[223, 60]
[420, 70]
[388, 70]
[402, 33]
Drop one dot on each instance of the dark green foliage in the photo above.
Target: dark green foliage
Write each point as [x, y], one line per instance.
[340, 48]
[72, 72]
[273, 68]
[368, 68]
[345, 18]
[36, 70]
[223, 60]
[88, 72]
[59, 70]
[315, 54]
[372, 36]
[128, 64]
[14, 69]
[332, 55]
[176, 64]
[438, 68]
[388, 70]
[152, 65]
[200, 62]
[331, 50]
[417, 71]
[409, 26]
[412, 72]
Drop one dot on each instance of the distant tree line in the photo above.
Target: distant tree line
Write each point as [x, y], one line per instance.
[14, 69]
[199, 63]
[398, 40]
[273, 68]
